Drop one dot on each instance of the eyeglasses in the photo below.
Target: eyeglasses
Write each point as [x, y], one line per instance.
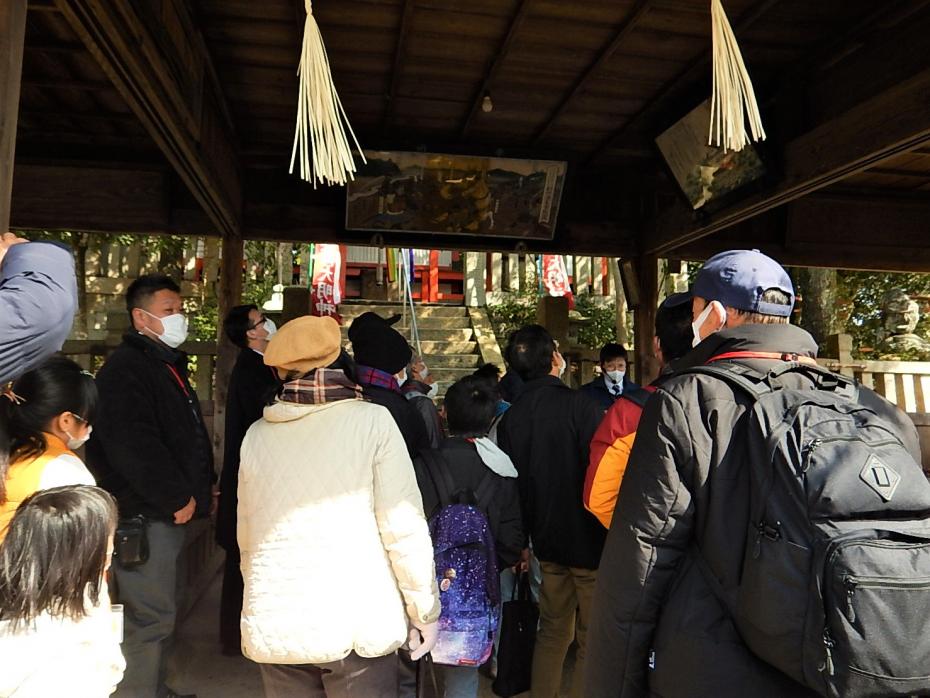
[261, 321]
[81, 419]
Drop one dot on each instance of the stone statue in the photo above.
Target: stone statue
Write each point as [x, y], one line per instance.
[900, 314]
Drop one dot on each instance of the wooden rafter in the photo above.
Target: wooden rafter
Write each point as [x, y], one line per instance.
[495, 66]
[400, 51]
[882, 126]
[635, 15]
[174, 95]
[688, 73]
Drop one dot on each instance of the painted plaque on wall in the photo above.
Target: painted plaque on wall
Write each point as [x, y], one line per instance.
[456, 195]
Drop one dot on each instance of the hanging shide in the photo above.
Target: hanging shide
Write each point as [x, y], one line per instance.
[733, 100]
[320, 142]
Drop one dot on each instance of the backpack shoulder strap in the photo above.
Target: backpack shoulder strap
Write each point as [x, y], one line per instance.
[440, 475]
[485, 492]
[739, 376]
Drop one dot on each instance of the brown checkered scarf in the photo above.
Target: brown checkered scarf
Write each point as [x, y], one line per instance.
[321, 386]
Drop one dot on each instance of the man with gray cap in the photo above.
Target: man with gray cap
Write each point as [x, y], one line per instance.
[682, 515]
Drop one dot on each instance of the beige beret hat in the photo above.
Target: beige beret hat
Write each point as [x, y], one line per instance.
[305, 343]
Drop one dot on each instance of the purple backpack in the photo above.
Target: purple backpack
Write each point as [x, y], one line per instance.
[466, 568]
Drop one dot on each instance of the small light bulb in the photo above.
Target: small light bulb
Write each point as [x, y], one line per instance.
[487, 105]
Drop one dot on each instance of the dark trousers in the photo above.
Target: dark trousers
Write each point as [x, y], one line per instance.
[231, 603]
[352, 677]
[149, 594]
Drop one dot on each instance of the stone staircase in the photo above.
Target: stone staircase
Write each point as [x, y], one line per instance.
[447, 338]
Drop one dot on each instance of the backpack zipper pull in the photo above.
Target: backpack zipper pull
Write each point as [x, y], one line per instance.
[850, 591]
[809, 453]
[828, 645]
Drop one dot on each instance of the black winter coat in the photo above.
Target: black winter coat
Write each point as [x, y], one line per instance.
[251, 384]
[408, 419]
[684, 485]
[150, 447]
[547, 433]
[468, 471]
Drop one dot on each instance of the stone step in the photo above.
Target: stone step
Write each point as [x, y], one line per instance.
[447, 376]
[435, 323]
[461, 335]
[432, 348]
[352, 310]
[428, 334]
[426, 323]
[439, 360]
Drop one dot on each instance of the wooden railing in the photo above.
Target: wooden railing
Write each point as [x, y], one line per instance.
[905, 383]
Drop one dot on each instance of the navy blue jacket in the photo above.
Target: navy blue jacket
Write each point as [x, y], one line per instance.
[38, 297]
[597, 391]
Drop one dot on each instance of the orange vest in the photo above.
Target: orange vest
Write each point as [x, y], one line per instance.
[24, 477]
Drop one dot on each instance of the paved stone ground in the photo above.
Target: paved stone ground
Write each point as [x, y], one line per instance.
[200, 668]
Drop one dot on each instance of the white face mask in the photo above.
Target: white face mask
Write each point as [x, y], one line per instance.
[270, 328]
[563, 366]
[433, 391]
[424, 374]
[702, 318]
[616, 376]
[75, 443]
[174, 329]
[401, 377]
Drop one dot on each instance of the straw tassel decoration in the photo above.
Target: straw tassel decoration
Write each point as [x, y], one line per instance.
[733, 99]
[320, 142]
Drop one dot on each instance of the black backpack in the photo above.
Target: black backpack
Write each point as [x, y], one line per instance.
[835, 582]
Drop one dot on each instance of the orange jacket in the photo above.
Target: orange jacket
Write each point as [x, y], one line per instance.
[610, 450]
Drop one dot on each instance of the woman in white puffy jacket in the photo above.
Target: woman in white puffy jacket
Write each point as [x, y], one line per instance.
[336, 554]
[58, 636]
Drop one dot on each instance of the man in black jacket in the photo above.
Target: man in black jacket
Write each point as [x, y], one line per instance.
[151, 450]
[547, 432]
[251, 384]
[658, 628]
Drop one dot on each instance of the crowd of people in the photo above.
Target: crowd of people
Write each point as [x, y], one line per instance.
[368, 531]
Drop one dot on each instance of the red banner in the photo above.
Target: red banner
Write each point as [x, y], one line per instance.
[328, 285]
[555, 278]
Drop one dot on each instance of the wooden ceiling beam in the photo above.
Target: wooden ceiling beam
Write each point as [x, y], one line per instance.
[889, 123]
[105, 199]
[400, 52]
[805, 233]
[635, 15]
[164, 73]
[495, 67]
[68, 85]
[686, 75]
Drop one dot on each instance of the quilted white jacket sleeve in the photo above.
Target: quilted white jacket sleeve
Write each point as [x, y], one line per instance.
[399, 513]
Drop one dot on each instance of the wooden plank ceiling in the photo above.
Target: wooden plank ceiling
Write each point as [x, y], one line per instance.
[590, 81]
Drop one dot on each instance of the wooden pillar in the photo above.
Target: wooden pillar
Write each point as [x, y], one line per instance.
[475, 271]
[644, 319]
[12, 37]
[433, 285]
[228, 296]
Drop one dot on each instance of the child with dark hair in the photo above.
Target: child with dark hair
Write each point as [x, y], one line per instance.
[468, 456]
[57, 634]
[47, 413]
